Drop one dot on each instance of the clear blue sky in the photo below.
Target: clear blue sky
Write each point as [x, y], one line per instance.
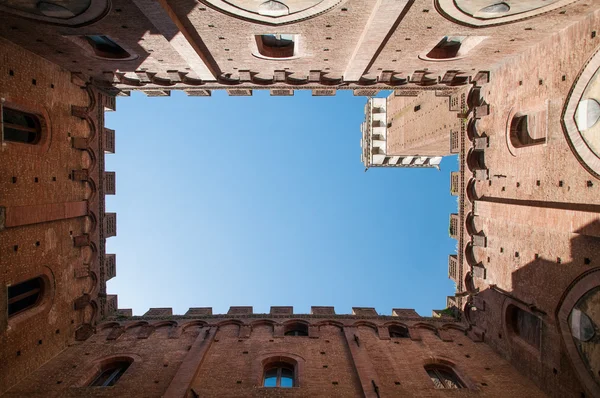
[263, 201]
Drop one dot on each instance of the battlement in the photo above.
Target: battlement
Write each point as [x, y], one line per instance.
[407, 314]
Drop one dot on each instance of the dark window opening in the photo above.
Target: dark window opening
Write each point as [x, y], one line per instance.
[104, 47]
[276, 45]
[296, 329]
[24, 295]
[21, 127]
[448, 47]
[444, 377]
[524, 325]
[520, 133]
[400, 332]
[279, 374]
[110, 374]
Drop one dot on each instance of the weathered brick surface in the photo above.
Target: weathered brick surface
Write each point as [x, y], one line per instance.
[232, 367]
[44, 210]
[528, 217]
[538, 209]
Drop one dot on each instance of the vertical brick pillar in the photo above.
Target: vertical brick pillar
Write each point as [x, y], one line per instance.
[190, 366]
[35, 214]
[362, 363]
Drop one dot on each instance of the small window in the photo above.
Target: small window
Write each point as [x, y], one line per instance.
[21, 127]
[296, 329]
[524, 325]
[279, 374]
[444, 377]
[523, 131]
[110, 374]
[452, 47]
[276, 45]
[400, 332]
[104, 47]
[448, 47]
[24, 296]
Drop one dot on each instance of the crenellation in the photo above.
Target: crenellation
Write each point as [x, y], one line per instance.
[521, 322]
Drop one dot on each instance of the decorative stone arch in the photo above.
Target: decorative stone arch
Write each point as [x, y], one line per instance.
[299, 325]
[580, 289]
[119, 50]
[509, 308]
[91, 189]
[162, 324]
[427, 326]
[470, 256]
[42, 306]
[107, 325]
[452, 48]
[265, 322]
[90, 223]
[469, 284]
[91, 369]
[448, 363]
[454, 326]
[526, 129]
[259, 364]
[252, 11]
[260, 322]
[471, 190]
[96, 11]
[93, 285]
[397, 327]
[42, 143]
[136, 324]
[330, 322]
[229, 322]
[472, 132]
[365, 323]
[195, 323]
[91, 163]
[224, 330]
[587, 156]
[476, 160]
[481, 13]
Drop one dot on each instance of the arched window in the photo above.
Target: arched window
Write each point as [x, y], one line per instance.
[448, 47]
[524, 325]
[276, 45]
[296, 329]
[397, 331]
[522, 131]
[104, 47]
[279, 374]
[453, 47]
[443, 377]
[24, 296]
[21, 127]
[110, 373]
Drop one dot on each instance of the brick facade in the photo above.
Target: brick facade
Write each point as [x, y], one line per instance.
[501, 89]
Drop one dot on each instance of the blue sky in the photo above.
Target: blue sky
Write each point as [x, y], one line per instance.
[263, 201]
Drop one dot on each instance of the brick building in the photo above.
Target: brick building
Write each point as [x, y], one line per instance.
[511, 87]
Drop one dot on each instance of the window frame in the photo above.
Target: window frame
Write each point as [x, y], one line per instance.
[279, 366]
[393, 331]
[438, 371]
[40, 291]
[116, 368]
[261, 50]
[296, 329]
[37, 129]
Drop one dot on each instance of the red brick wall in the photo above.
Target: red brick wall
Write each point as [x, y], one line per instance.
[330, 364]
[44, 210]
